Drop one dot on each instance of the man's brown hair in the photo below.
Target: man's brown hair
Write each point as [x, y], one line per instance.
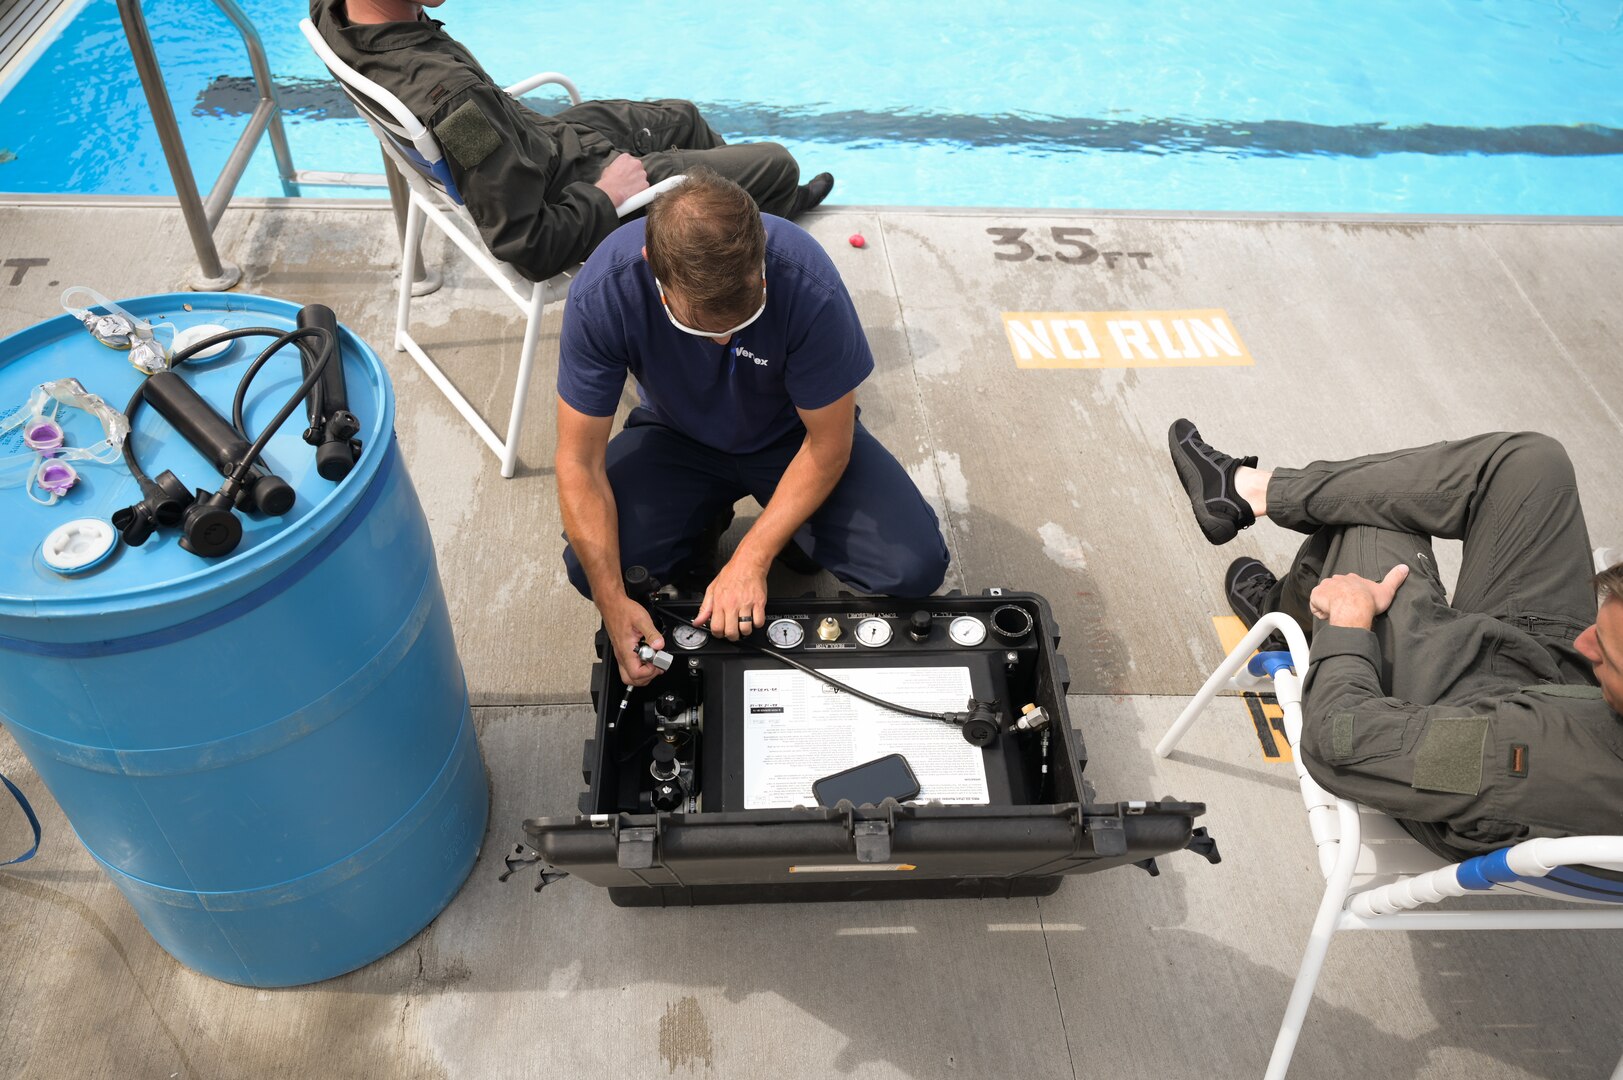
[1609, 582]
[706, 244]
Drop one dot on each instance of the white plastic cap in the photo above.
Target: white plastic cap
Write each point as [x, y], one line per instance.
[78, 545]
[184, 339]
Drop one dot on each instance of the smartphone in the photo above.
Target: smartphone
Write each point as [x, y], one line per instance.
[889, 777]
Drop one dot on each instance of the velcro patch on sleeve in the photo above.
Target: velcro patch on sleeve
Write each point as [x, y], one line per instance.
[1449, 757]
[467, 135]
[1341, 735]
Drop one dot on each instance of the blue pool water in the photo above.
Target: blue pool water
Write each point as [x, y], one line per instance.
[1487, 107]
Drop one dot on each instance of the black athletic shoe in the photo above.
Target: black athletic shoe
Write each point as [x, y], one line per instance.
[1208, 477]
[1248, 585]
[811, 193]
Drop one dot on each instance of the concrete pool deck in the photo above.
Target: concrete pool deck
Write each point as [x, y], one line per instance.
[1365, 334]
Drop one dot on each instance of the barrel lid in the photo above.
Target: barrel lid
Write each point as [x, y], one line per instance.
[160, 571]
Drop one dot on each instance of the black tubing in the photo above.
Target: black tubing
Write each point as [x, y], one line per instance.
[257, 447]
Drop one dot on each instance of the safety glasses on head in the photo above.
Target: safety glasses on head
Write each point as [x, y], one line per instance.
[666, 304]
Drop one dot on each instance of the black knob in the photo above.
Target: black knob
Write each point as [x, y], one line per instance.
[918, 626]
[334, 460]
[981, 731]
[209, 528]
[670, 706]
[273, 495]
[664, 767]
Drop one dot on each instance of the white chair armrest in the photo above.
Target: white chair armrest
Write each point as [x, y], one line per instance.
[1537, 857]
[648, 195]
[519, 89]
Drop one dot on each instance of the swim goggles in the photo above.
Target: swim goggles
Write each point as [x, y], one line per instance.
[118, 329]
[666, 304]
[44, 462]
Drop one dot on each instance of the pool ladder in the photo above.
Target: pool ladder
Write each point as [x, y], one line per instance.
[203, 214]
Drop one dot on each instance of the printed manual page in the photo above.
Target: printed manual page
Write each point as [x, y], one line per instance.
[798, 730]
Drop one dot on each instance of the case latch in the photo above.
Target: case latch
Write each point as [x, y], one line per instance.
[636, 848]
[1109, 835]
[873, 841]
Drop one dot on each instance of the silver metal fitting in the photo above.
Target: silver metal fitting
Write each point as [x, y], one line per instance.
[650, 655]
[1032, 718]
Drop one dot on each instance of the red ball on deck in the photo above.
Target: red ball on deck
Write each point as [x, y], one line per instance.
[857, 240]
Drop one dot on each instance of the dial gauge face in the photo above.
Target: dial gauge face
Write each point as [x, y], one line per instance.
[967, 630]
[873, 632]
[689, 637]
[785, 633]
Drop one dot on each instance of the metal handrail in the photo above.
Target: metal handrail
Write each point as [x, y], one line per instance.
[202, 215]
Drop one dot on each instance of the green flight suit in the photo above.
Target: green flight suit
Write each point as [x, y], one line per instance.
[528, 179]
[1475, 722]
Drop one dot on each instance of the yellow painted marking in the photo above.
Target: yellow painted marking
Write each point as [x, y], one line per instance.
[1229, 632]
[1114, 339]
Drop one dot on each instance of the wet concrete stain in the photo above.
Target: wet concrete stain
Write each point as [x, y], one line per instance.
[684, 1036]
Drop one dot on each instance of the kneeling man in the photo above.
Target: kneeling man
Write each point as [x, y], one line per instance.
[747, 353]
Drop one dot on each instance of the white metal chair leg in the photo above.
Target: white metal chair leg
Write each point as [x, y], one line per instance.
[408, 258]
[1318, 944]
[526, 362]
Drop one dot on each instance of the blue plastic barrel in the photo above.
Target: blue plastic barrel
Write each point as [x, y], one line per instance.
[270, 754]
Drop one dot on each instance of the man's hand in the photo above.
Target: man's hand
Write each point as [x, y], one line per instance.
[1350, 600]
[735, 603]
[627, 622]
[624, 177]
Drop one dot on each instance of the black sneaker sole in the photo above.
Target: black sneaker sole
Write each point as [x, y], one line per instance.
[1217, 530]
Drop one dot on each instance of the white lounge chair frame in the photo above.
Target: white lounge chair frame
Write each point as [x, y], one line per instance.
[412, 149]
[1377, 877]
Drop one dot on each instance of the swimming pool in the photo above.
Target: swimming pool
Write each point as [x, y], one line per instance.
[1488, 107]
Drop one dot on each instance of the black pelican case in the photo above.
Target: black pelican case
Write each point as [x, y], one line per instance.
[695, 842]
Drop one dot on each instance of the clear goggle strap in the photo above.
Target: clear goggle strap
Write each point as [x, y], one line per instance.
[115, 425]
[72, 393]
[118, 329]
[33, 409]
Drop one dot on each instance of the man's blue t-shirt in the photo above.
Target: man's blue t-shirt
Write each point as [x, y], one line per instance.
[807, 349]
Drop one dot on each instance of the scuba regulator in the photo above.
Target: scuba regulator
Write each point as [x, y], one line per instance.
[332, 427]
[207, 520]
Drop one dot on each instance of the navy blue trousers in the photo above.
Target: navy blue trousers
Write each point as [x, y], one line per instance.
[874, 532]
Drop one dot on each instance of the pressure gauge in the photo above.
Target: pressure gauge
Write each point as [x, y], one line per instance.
[968, 631]
[785, 633]
[873, 632]
[689, 637]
